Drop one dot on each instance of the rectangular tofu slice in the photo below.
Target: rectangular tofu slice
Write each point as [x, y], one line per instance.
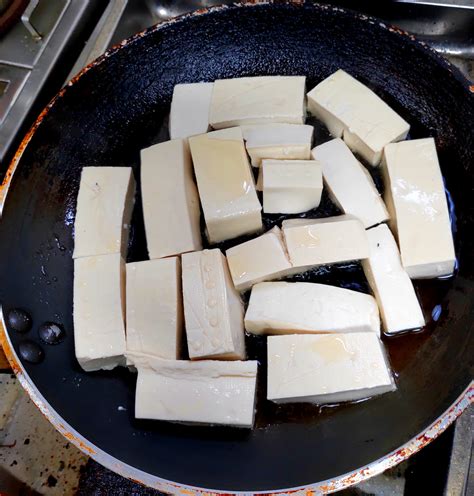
[351, 110]
[189, 114]
[349, 183]
[260, 259]
[416, 199]
[257, 100]
[312, 242]
[99, 300]
[226, 185]
[305, 307]
[170, 200]
[155, 307]
[327, 369]
[104, 209]
[213, 310]
[278, 141]
[291, 186]
[204, 392]
[390, 283]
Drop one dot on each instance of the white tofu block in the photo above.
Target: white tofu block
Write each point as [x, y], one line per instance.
[416, 199]
[291, 186]
[170, 200]
[204, 392]
[326, 369]
[349, 183]
[305, 307]
[226, 185]
[99, 299]
[257, 100]
[390, 283]
[351, 110]
[155, 307]
[213, 310]
[189, 114]
[312, 242]
[260, 259]
[104, 209]
[278, 141]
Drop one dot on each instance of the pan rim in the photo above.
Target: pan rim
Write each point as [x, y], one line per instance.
[331, 485]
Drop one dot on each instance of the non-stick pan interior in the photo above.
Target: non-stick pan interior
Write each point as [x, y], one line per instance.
[120, 106]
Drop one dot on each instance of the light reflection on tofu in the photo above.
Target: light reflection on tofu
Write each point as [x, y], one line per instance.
[226, 185]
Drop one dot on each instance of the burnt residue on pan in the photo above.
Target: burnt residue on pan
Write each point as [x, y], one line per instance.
[120, 105]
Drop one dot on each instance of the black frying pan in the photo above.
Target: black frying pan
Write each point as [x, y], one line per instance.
[120, 105]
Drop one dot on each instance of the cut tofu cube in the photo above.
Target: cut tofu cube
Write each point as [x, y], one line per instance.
[305, 307]
[390, 283]
[213, 310]
[313, 242]
[155, 307]
[416, 199]
[291, 186]
[349, 184]
[327, 369]
[260, 259]
[170, 200]
[189, 114]
[226, 185]
[278, 141]
[99, 299]
[351, 110]
[104, 209]
[204, 392]
[257, 100]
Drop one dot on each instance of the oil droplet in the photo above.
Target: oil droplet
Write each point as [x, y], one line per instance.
[207, 268]
[210, 284]
[332, 348]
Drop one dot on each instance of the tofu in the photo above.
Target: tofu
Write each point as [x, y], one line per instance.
[313, 242]
[99, 299]
[170, 200]
[257, 100]
[291, 186]
[326, 369]
[189, 114]
[260, 259]
[278, 141]
[226, 185]
[305, 307]
[104, 209]
[154, 314]
[204, 392]
[390, 283]
[349, 184]
[213, 310]
[416, 199]
[351, 110]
